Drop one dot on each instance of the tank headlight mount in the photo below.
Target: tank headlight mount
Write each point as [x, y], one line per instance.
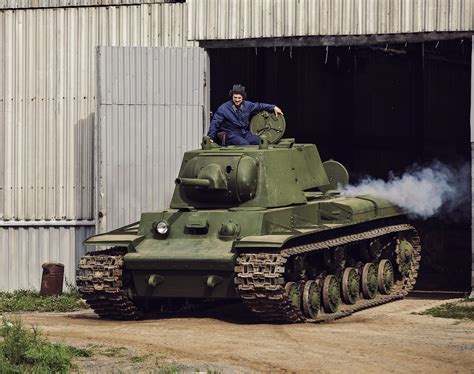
[162, 228]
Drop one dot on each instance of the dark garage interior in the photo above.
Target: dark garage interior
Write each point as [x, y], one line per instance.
[376, 109]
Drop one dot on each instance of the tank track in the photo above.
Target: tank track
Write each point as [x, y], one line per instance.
[261, 284]
[100, 282]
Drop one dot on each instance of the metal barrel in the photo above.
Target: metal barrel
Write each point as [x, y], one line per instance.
[52, 279]
[197, 182]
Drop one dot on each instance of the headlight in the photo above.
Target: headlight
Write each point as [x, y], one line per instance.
[162, 227]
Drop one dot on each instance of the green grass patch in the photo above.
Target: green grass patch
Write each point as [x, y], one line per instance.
[29, 301]
[27, 351]
[458, 310]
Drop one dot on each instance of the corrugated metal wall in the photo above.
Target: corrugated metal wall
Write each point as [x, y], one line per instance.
[47, 96]
[22, 4]
[239, 19]
[153, 106]
[47, 114]
[24, 249]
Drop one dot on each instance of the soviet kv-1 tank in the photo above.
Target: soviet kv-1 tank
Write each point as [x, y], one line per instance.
[263, 224]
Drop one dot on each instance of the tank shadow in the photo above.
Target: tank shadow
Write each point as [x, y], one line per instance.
[226, 311]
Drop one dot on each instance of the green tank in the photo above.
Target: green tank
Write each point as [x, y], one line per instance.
[262, 224]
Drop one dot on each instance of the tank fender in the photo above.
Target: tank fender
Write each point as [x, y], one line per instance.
[125, 237]
[262, 241]
[357, 209]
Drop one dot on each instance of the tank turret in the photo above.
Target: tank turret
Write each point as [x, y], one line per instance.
[269, 175]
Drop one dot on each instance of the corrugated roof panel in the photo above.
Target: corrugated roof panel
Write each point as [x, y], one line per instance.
[47, 99]
[24, 249]
[239, 19]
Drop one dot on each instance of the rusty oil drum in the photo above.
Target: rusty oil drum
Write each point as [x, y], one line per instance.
[52, 279]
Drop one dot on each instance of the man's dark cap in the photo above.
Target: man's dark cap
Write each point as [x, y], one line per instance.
[238, 89]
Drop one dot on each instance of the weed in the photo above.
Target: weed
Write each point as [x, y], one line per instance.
[136, 359]
[22, 350]
[459, 310]
[72, 289]
[29, 300]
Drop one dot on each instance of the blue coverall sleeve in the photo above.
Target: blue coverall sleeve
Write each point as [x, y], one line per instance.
[258, 107]
[216, 122]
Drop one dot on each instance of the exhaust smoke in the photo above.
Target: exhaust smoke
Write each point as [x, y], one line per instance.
[422, 192]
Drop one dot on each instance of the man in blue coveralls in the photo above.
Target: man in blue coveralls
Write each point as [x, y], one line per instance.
[231, 121]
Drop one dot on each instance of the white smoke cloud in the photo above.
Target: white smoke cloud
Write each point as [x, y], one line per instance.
[422, 192]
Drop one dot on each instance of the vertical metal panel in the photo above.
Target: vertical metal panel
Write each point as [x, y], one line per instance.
[47, 99]
[153, 106]
[24, 249]
[239, 19]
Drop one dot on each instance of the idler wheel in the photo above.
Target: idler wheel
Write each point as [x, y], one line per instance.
[385, 277]
[311, 299]
[331, 294]
[293, 292]
[350, 285]
[369, 281]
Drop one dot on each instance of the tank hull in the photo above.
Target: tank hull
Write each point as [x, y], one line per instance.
[183, 263]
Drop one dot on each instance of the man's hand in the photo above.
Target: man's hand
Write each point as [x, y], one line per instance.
[277, 111]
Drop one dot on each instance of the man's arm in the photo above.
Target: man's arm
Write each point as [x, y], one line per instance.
[216, 122]
[258, 107]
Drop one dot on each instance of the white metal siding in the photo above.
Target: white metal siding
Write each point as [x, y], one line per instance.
[22, 4]
[47, 99]
[153, 106]
[240, 19]
[24, 249]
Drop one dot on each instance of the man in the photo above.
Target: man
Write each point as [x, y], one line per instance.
[231, 121]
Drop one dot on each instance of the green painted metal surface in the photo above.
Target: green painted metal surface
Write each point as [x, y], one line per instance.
[228, 199]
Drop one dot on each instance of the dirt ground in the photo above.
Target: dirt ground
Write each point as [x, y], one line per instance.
[391, 339]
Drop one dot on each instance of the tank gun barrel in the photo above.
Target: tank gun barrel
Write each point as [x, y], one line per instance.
[196, 182]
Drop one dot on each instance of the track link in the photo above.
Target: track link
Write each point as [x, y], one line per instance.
[100, 282]
[261, 284]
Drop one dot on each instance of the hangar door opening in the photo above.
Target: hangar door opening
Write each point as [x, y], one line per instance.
[377, 109]
[153, 106]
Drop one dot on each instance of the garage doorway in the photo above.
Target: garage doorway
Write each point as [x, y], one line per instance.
[376, 109]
